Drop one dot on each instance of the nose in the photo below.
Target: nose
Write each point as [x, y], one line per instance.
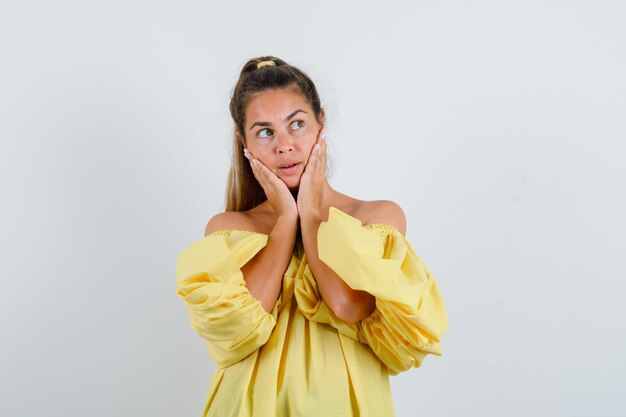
[283, 143]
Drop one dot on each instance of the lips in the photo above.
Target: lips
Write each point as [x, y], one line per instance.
[289, 168]
[288, 164]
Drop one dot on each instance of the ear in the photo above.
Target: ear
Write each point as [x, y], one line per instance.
[322, 118]
[240, 139]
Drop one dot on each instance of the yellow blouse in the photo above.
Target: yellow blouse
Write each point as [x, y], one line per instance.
[300, 359]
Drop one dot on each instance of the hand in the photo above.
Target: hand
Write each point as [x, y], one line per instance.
[313, 180]
[276, 190]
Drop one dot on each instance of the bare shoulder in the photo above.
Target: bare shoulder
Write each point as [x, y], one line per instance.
[385, 212]
[229, 220]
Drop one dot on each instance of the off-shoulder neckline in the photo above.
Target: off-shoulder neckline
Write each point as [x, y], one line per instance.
[381, 227]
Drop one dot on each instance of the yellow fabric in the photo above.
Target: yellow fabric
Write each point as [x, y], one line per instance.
[301, 360]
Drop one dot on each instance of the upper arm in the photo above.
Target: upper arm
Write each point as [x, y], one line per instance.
[387, 212]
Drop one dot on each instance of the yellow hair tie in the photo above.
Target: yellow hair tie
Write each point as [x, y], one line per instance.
[264, 63]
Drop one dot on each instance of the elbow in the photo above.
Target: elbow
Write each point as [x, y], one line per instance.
[355, 308]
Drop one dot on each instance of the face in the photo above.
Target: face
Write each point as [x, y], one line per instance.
[281, 130]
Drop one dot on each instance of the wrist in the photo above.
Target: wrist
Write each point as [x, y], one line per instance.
[286, 224]
[310, 216]
[310, 221]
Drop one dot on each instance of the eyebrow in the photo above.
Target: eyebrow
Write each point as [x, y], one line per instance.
[286, 119]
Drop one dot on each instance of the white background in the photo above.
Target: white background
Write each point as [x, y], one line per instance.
[498, 126]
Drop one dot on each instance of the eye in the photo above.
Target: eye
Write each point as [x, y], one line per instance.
[297, 124]
[261, 135]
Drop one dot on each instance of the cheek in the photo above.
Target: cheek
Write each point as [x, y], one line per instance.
[266, 161]
[266, 155]
[307, 154]
[307, 142]
[259, 151]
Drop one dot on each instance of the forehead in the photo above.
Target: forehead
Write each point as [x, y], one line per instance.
[275, 105]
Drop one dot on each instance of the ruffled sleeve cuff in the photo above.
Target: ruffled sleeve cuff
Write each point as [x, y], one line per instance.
[410, 316]
[221, 309]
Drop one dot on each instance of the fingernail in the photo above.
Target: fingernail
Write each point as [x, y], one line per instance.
[317, 147]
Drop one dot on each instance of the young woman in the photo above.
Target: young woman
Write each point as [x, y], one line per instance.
[308, 299]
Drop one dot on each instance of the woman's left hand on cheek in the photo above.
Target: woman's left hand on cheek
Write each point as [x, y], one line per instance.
[312, 182]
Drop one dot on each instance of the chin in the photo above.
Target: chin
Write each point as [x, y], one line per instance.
[293, 185]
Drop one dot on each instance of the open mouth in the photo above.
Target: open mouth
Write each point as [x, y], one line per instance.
[289, 169]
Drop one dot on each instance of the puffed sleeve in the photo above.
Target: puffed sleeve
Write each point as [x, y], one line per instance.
[410, 317]
[221, 309]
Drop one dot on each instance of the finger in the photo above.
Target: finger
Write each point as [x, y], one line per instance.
[319, 160]
[323, 154]
[248, 154]
[310, 165]
[309, 160]
[263, 174]
[320, 135]
[317, 143]
[255, 166]
[266, 178]
[262, 169]
[250, 158]
[320, 154]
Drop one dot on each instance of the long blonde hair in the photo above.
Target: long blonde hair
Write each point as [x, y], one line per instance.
[243, 191]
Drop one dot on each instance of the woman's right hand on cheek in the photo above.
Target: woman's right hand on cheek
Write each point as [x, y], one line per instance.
[276, 190]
